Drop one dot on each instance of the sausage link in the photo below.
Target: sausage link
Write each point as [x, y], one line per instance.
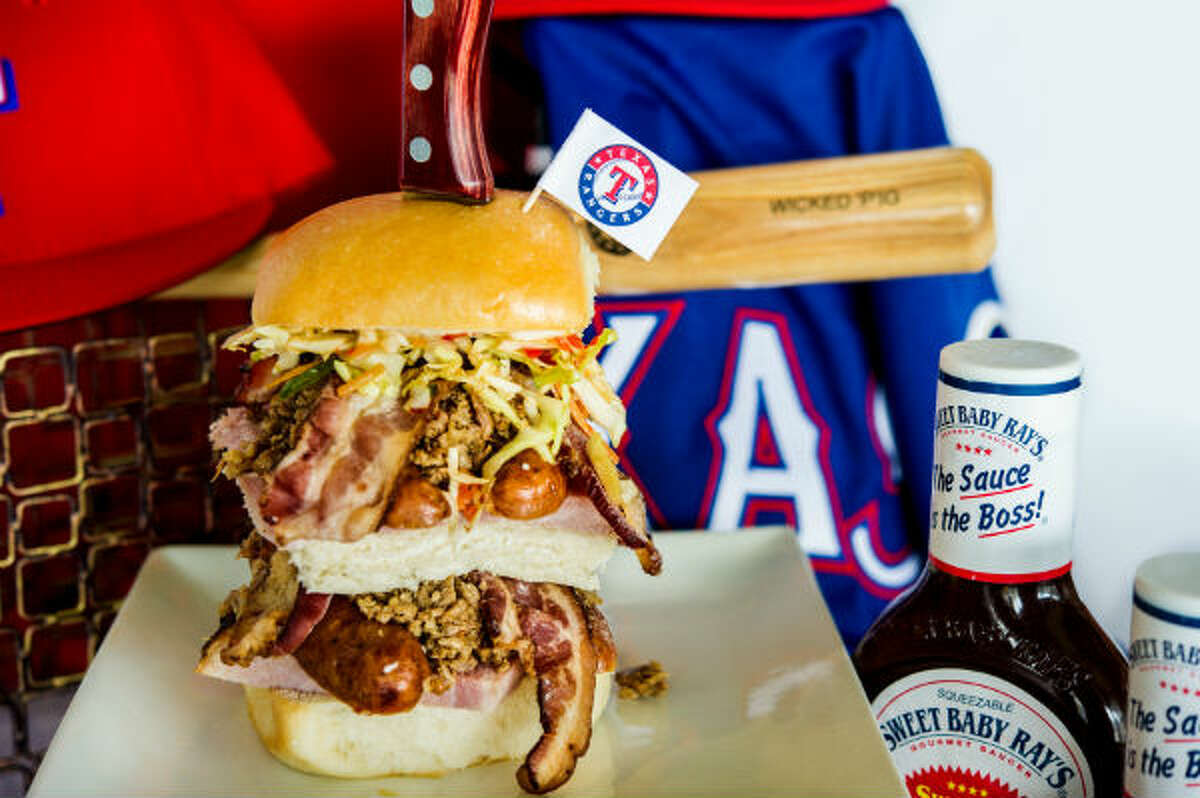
[416, 504]
[374, 667]
[528, 487]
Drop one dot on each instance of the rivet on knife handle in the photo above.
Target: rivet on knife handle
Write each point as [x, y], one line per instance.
[442, 149]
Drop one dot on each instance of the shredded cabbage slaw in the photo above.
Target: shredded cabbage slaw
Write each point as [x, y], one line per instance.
[564, 379]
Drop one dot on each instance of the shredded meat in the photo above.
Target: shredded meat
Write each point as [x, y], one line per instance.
[644, 681]
[446, 617]
[253, 616]
[277, 420]
[457, 419]
[282, 422]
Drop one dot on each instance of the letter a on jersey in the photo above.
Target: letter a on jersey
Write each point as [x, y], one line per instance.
[762, 380]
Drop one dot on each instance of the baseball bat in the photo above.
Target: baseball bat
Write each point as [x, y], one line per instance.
[863, 217]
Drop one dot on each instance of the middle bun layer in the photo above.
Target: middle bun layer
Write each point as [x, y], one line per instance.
[569, 548]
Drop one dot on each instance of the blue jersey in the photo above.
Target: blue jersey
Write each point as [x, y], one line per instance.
[812, 405]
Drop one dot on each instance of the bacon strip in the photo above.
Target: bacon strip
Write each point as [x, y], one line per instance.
[307, 612]
[583, 474]
[600, 634]
[288, 490]
[565, 663]
[253, 388]
[336, 483]
[497, 609]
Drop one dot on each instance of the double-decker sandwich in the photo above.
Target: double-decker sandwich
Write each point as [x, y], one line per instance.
[421, 442]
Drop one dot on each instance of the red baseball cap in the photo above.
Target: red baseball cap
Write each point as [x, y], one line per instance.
[140, 142]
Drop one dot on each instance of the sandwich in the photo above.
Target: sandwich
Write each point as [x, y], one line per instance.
[424, 445]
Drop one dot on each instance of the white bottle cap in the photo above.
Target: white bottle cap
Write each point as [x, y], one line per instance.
[1005, 441]
[1001, 361]
[1171, 583]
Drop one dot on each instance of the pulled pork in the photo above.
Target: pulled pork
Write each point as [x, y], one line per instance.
[644, 681]
[253, 616]
[445, 617]
[280, 423]
[458, 624]
[456, 418]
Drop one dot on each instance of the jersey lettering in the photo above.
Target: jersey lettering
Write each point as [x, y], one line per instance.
[986, 321]
[879, 424]
[641, 328]
[763, 390]
[633, 333]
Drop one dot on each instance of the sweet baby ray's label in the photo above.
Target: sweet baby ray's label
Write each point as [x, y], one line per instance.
[1003, 479]
[957, 732]
[1162, 748]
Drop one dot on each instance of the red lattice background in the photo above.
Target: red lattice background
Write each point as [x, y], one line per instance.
[103, 455]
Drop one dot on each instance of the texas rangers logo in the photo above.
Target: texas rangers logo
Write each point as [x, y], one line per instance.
[618, 185]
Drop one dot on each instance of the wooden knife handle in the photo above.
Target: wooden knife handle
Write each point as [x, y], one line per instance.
[442, 148]
[866, 217]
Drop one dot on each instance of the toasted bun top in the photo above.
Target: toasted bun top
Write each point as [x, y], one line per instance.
[430, 266]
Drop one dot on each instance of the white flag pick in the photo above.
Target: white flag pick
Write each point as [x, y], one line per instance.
[617, 184]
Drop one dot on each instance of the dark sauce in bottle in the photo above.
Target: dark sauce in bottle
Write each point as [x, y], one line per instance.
[1037, 636]
[989, 677]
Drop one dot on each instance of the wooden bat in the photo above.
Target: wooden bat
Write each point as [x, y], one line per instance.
[865, 217]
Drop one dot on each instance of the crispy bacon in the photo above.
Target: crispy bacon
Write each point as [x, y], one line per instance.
[565, 663]
[600, 634]
[358, 488]
[335, 484]
[288, 490]
[584, 477]
[253, 388]
[497, 609]
[307, 612]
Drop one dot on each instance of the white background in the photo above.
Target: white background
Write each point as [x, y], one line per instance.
[1090, 116]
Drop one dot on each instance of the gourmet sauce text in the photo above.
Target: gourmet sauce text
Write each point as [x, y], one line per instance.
[990, 678]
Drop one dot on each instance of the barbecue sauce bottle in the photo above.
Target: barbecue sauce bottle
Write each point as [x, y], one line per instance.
[989, 677]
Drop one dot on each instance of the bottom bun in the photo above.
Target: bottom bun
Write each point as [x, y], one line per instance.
[321, 735]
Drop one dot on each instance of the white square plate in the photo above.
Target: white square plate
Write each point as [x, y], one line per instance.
[763, 698]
